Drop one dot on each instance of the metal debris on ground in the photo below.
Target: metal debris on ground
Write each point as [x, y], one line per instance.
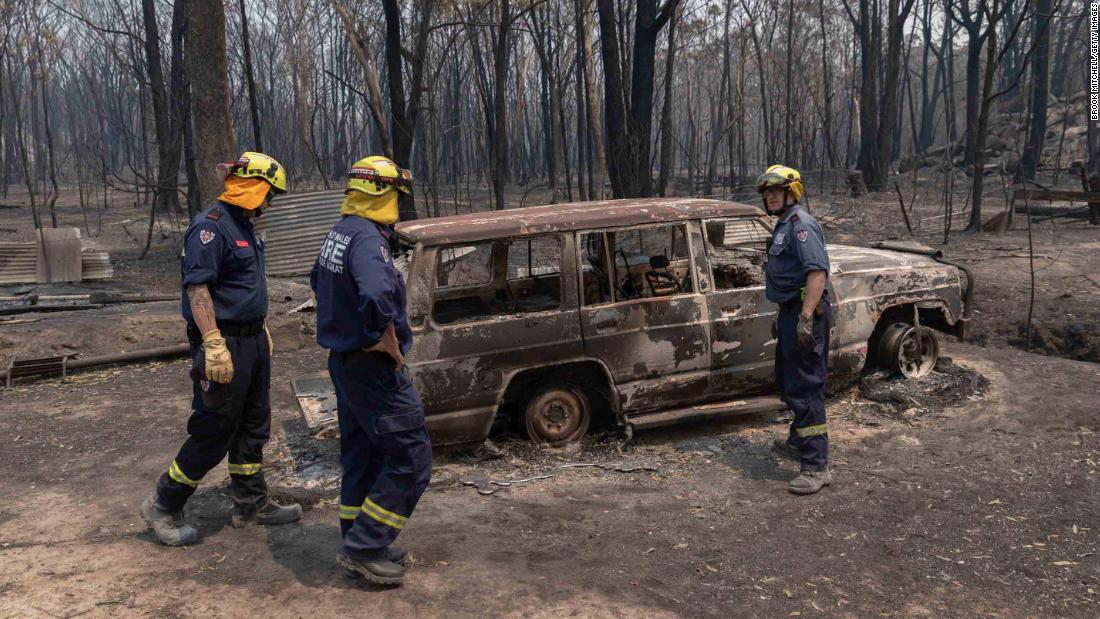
[485, 485]
[317, 400]
[54, 366]
[27, 303]
[308, 306]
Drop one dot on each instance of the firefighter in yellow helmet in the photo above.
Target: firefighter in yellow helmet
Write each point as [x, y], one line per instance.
[225, 306]
[795, 280]
[384, 447]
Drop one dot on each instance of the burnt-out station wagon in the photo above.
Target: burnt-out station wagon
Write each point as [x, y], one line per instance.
[637, 313]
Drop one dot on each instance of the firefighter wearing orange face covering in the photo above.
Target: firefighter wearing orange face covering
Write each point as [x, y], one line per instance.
[225, 305]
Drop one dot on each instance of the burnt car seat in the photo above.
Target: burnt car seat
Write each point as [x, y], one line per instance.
[662, 282]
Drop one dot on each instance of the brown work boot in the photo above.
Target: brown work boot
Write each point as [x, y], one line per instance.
[782, 447]
[270, 514]
[809, 482]
[396, 554]
[169, 527]
[378, 571]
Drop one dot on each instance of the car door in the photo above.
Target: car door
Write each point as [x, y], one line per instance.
[742, 344]
[497, 308]
[653, 339]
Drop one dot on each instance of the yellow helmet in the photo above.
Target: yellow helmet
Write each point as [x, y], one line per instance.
[781, 176]
[377, 175]
[259, 165]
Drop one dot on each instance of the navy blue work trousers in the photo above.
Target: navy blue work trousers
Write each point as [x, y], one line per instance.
[801, 374]
[232, 418]
[384, 450]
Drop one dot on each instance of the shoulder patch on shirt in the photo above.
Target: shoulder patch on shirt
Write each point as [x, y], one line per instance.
[242, 243]
[215, 215]
[205, 236]
[384, 252]
[793, 219]
[803, 235]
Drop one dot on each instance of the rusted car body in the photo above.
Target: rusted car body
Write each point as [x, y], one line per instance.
[645, 312]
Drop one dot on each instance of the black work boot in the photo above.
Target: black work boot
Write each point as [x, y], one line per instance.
[783, 447]
[377, 571]
[809, 482]
[270, 513]
[169, 527]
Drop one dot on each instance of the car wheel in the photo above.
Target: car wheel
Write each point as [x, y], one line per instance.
[908, 350]
[557, 414]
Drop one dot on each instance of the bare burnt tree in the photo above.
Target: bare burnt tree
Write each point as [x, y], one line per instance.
[1040, 90]
[630, 114]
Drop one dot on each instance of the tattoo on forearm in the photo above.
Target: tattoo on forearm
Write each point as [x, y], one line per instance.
[202, 308]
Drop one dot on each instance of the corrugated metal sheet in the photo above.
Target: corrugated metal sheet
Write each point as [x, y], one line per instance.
[18, 263]
[744, 232]
[294, 228]
[96, 265]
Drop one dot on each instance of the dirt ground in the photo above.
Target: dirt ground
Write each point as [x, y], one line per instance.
[972, 492]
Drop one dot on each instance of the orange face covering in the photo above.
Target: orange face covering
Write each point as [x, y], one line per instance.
[247, 193]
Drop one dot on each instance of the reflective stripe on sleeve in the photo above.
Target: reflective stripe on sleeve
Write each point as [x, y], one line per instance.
[244, 469]
[383, 515]
[348, 512]
[177, 476]
[809, 431]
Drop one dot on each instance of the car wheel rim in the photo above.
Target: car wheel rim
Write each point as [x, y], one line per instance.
[917, 351]
[556, 416]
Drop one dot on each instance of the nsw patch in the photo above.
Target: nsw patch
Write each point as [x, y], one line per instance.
[205, 236]
[803, 235]
[384, 252]
[779, 236]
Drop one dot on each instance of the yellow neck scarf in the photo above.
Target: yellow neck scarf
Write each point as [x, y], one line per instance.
[247, 193]
[379, 209]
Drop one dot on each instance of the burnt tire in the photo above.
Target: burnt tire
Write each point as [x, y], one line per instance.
[557, 413]
[909, 350]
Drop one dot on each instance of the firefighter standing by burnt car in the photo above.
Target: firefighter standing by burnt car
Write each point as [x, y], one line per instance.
[385, 451]
[795, 278]
[225, 304]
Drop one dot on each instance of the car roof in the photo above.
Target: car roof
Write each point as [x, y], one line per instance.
[566, 217]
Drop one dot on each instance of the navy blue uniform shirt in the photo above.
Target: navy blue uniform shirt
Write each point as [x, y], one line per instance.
[220, 250]
[359, 291]
[797, 247]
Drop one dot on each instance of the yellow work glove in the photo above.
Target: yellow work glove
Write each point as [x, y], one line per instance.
[219, 363]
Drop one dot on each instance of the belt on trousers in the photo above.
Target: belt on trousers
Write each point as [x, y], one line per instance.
[230, 329]
[796, 306]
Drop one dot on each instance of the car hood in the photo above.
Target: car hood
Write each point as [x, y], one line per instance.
[850, 259]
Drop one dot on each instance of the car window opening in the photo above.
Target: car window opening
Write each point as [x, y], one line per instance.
[497, 278]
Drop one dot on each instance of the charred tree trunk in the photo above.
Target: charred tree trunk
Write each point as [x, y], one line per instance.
[165, 197]
[869, 47]
[1033, 152]
[215, 138]
[253, 104]
[666, 113]
[630, 120]
[889, 120]
[403, 111]
[179, 103]
[499, 143]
